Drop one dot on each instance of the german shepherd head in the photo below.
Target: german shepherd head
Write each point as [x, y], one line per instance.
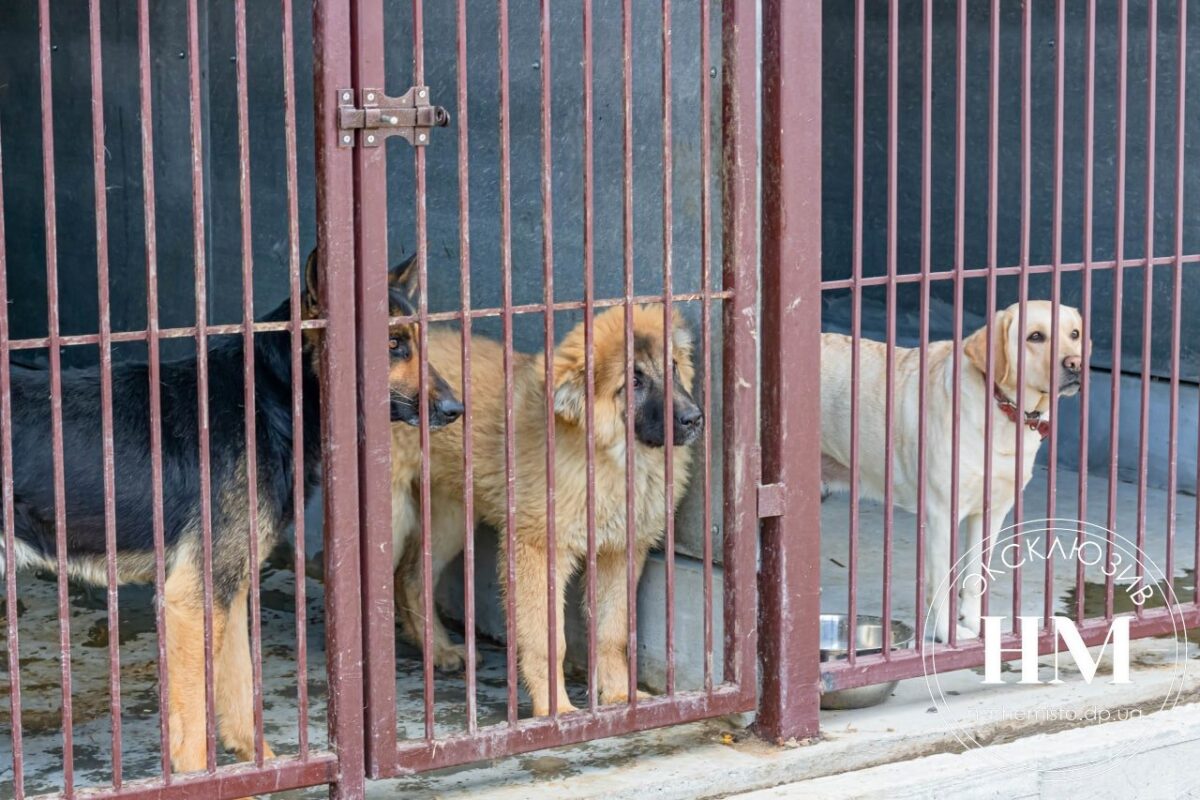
[650, 376]
[404, 367]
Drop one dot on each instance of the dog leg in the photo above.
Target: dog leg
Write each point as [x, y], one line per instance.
[183, 618]
[612, 623]
[235, 684]
[974, 583]
[406, 548]
[532, 641]
[405, 524]
[446, 539]
[938, 531]
[971, 593]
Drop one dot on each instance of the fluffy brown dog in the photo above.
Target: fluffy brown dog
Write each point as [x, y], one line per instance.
[651, 427]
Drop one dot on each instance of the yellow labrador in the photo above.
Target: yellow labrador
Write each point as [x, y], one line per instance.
[1040, 379]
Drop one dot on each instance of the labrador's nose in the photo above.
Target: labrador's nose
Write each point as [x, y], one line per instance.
[1073, 364]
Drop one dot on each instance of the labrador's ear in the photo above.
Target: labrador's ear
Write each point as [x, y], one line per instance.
[975, 348]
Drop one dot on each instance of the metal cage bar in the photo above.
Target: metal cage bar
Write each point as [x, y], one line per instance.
[789, 580]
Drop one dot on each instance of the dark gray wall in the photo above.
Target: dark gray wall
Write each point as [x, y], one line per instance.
[23, 180]
[838, 173]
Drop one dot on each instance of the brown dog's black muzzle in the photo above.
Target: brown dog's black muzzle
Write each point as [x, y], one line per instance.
[689, 421]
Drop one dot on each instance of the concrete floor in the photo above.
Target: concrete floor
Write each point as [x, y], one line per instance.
[551, 770]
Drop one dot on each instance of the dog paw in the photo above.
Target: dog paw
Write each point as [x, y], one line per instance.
[621, 698]
[965, 633]
[245, 752]
[565, 706]
[452, 658]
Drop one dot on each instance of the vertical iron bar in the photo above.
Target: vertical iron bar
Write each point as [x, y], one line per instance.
[507, 321]
[1148, 287]
[1086, 310]
[856, 245]
[627, 229]
[335, 243]
[200, 277]
[960, 205]
[100, 194]
[1114, 419]
[367, 69]
[464, 247]
[1176, 291]
[422, 215]
[992, 213]
[889, 401]
[668, 211]
[926, 241]
[589, 344]
[739, 210]
[789, 581]
[547, 181]
[1022, 299]
[243, 124]
[1055, 303]
[705, 329]
[6, 489]
[56, 424]
[293, 205]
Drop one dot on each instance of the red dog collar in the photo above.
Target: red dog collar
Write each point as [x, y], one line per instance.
[1033, 419]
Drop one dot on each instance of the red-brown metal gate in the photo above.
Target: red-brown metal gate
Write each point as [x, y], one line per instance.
[794, 285]
[179, 416]
[733, 687]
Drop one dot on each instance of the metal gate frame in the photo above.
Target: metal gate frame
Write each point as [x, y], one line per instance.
[386, 756]
[793, 677]
[352, 234]
[342, 768]
[789, 583]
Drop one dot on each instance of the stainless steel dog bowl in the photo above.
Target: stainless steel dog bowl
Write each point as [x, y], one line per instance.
[868, 636]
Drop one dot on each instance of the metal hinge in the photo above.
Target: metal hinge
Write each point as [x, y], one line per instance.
[379, 116]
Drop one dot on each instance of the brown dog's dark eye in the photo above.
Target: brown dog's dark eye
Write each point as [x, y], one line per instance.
[1075, 334]
[1036, 336]
[638, 380]
[393, 343]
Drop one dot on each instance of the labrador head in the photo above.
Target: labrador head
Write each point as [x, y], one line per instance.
[652, 423]
[1042, 377]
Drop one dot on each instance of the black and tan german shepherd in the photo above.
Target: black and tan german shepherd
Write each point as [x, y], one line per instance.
[34, 492]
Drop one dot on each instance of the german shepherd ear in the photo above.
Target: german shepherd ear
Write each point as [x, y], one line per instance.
[975, 348]
[403, 277]
[311, 292]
